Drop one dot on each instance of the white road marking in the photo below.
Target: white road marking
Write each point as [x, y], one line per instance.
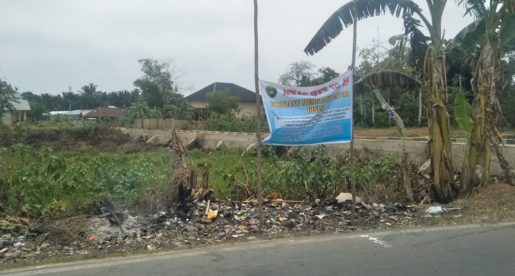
[377, 241]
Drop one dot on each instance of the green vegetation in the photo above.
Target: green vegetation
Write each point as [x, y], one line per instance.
[7, 94]
[63, 136]
[462, 112]
[303, 73]
[305, 174]
[467, 82]
[41, 181]
[230, 122]
[157, 85]
[221, 102]
[309, 174]
[482, 54]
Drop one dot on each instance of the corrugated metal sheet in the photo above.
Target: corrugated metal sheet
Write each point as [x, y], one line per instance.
[21, 105]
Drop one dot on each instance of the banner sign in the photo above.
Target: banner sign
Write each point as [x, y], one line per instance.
[313, 115]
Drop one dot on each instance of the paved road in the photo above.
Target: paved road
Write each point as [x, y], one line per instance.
[459, 250]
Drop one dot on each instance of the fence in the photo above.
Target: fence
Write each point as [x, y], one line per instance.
[416, 147]
[160, 124]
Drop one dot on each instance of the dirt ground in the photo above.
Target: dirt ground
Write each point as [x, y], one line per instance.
[491, 204]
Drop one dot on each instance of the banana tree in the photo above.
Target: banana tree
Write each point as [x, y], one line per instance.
[429, 56]
[490, 35]
[393, 79]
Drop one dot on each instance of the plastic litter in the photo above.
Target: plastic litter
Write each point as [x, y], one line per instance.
[434, 210]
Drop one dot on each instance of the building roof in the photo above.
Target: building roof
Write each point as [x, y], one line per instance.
[244, 94]
[20, 105]
[105, 112]
[69, 113]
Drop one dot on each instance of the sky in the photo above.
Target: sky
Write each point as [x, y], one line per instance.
[47, 46]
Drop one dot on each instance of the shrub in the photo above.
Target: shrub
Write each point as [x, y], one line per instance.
[230, 122]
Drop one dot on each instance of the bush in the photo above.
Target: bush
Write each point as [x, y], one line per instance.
[311, 174]
[230, 122]
[380, 180]
[307, 174]
[69, 137]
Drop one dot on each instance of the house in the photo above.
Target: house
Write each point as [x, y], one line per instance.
[19, 114]
[199, 103]
[105, 113]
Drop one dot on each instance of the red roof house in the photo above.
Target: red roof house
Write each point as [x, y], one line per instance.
[105, 113]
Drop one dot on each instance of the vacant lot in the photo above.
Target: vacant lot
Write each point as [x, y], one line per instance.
[92, 192]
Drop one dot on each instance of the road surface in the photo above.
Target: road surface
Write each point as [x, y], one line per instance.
[457, 250]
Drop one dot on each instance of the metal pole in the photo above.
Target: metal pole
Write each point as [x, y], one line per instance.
[352, 155]
[258, 115]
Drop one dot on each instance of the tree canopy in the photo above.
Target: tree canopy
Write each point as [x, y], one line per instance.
[221, 102]
[7, 96]
[157, 85]
[303, 73]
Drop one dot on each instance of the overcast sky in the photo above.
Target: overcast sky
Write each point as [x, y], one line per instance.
[48, 45]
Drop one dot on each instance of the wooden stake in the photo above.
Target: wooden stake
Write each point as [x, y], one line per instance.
[352, 155]
[258, 116]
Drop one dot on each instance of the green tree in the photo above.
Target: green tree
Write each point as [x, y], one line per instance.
[324, 75]
[182, 110]
[89, 95]
[494, 32]
[36, 111]
[431, 63]
[7, 97]
[157, 85]
[407, 107]
[298, 74]
[139, 110]
[73, 101]
[221, 102]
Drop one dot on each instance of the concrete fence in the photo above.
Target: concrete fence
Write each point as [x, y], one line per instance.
[369, 147]
[159, 124]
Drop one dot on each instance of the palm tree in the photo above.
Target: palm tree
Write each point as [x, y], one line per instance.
[89, 93]
[491, 35]
[431, 61]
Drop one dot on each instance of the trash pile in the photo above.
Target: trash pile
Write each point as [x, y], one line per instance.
[208, 222]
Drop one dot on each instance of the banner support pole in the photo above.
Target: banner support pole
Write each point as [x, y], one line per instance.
[258, 118]
[352, 155]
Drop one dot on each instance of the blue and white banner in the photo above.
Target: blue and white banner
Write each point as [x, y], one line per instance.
[319, 114]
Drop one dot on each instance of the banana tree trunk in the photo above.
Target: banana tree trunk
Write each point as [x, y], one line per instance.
[485, 113]
[439, 129]
[419, 119]
[477, 166]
